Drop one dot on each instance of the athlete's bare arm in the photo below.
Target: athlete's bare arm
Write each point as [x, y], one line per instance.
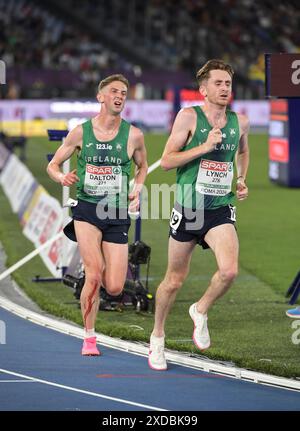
[242, 157]
[183, 129]
[139, 155]
[72, 143]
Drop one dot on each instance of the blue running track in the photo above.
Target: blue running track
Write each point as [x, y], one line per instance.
[41, 369]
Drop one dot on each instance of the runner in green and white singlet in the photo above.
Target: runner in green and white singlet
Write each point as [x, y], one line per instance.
[210, 175]
[105, 146]
[103, 168]
[203, 146]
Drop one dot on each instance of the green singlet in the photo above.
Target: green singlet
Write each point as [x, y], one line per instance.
[103, 168]
[206, 182]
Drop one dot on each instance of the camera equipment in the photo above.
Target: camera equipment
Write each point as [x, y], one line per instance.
[75, 283]
[139, 253]
[135, 295]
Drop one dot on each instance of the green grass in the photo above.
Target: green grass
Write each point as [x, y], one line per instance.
[248, 325]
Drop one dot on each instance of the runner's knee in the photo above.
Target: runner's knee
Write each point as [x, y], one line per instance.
[114, 288]
[93, 280]
[173, 282]
[228, 274]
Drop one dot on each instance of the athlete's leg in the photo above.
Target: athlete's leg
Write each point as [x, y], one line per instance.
[89, 240]
[116, 264]
[179, 257]
[224, 243]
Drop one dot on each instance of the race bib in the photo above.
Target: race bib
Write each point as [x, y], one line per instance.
[214, 178]
[175, 219]
[102, 180]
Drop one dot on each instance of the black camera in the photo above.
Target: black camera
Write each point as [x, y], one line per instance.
[139, 253]
[75, 283]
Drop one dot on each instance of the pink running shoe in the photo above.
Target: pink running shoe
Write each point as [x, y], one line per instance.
[89, 347]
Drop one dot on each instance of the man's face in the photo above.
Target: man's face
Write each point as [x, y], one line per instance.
[113, 96]
[217, 88]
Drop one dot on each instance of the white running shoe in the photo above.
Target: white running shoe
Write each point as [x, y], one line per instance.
[201, 335]
[156, 359]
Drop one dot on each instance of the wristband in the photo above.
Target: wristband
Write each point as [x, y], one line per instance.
[241, 176]
[133, 214]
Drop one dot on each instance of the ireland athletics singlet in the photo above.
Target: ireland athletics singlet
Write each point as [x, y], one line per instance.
[103, 168]
[206, 182]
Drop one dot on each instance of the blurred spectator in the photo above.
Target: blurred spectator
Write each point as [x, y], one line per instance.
[31, 38]
[256, 75]
[13, 90]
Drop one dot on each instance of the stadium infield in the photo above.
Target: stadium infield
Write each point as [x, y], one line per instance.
[248, 325]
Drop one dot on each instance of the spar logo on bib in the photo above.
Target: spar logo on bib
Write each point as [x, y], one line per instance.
[101, 180]
[214, 177]
[117, 170]
[103, 170]
[216, 166]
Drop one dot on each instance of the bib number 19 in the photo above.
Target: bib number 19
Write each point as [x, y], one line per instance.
[175, 219]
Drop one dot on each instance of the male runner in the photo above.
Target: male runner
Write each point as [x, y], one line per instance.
[203, 145]
[106, 144]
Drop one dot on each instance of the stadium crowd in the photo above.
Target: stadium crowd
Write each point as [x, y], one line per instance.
[180, 36]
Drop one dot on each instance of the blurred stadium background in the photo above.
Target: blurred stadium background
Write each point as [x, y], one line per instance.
[56, 53]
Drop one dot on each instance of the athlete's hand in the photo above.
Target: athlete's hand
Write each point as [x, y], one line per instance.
[68, 179]
[214, 137]
[241, 189]
[134, 198]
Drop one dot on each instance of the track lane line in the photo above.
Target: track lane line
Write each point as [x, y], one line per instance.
[81, 391]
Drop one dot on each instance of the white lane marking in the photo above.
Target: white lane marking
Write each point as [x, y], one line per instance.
[151, 168]
[17, 381]
[81, 391]
[154, 166]
[29, 256]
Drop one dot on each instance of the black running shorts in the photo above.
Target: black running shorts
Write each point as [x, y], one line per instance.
[113, 229]
[186, 226]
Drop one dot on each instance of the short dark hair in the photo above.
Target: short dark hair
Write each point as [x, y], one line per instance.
[112, 78]
[204, 72]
